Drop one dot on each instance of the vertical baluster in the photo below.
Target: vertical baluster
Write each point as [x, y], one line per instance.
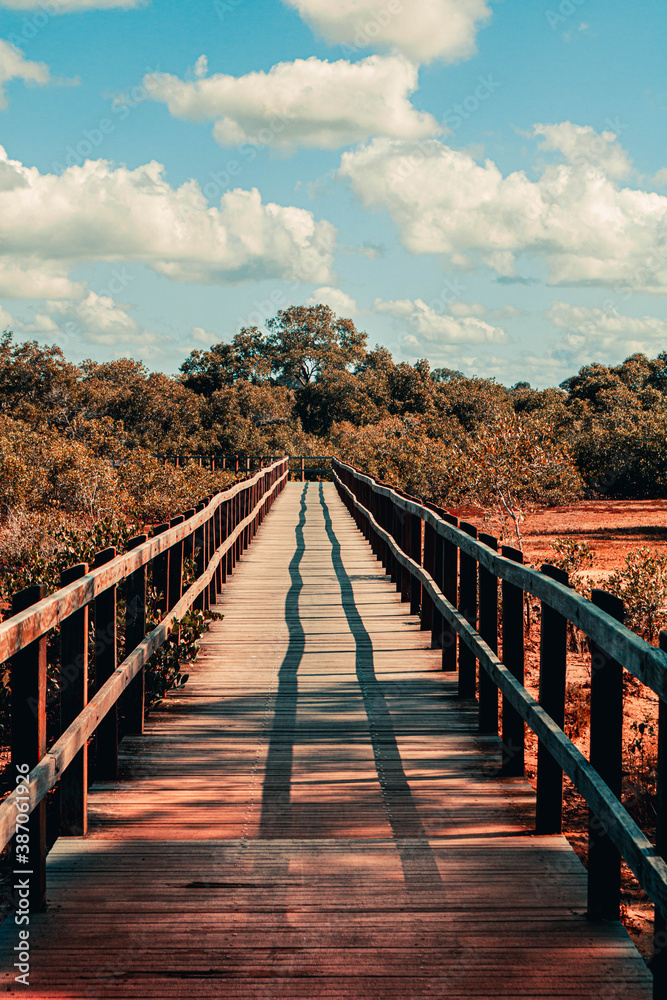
[160, 571]
[468, 608]
[73, 699]
[450, 589]
[427, 617]
[513, 658]
[28, 680]
[106, 752]
[553, 675]
[488, 629]
[175, 586]
[417, 555]
[200, 558]
[606, 756]
[135, 633]
[224, 531]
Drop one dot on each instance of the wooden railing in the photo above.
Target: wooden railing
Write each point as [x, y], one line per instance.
[301, 466]
[214, 535]
[450, 574]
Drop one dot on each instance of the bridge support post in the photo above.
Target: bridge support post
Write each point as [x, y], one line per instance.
[200, 556]
[73, 699]
[553, 671]
[428, 611]
[175, 587]
[514, 736]
[606, 756]
[415, 550]
[106, 742]
[28, 680]
[468, 608]
[135, 632]
[488, 629]
[450, 588]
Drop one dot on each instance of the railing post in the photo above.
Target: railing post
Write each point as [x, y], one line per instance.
[73, 700]
[553, 675]
[175, 591]
[488, 629]
[514, 735]
[135, 633]
[606, 756]
[659, 960]
[160, 572]
[428, 622]
[416, 555]
[224, 531]
[106, 752]
[303, 470]
[450, 588]
[28, 680]
[406, 545]
[468, 608]
[200, 558]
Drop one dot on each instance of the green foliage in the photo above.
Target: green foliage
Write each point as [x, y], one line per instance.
[574, 558]
[642, 586]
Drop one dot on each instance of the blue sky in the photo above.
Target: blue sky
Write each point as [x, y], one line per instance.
[480, 183]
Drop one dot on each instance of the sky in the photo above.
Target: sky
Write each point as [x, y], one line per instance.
[482, 183]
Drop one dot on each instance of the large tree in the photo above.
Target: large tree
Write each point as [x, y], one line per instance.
[306, 341]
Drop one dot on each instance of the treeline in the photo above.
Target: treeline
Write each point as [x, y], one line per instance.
[81, 437]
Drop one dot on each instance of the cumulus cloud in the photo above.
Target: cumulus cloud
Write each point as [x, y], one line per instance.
[15, 66]
[99, 320]
[576, 217]
[440, 328]
[423, 30]
[309, 102]
[54, 7]
[97, 211]
[341, 303]
[595, 331]
[582, 145]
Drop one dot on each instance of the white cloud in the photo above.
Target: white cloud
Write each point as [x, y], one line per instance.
[440, 328]
[53, 7]
[467, 309]
[578, 219]
[201, 336]
[15, 66]
[582, 145]
[592, 332]
[98, 320]
[341, 303]
[309, 102]
[97, 211]
[423, 30]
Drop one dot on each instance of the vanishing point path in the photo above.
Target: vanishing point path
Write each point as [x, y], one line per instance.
[314, 815]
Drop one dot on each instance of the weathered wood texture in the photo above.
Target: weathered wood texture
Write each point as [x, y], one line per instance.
[315, 815]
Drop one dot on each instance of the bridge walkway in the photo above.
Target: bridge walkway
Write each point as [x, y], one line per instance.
[314, 815]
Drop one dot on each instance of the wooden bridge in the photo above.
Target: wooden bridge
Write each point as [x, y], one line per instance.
[326, 809]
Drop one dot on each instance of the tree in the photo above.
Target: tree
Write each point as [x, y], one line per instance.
[512, 463]
[247, 358]
[306, 341]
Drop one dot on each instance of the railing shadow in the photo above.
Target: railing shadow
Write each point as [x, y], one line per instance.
[276, 814]
[419, 866]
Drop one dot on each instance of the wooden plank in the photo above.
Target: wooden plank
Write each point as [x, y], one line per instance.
[390, 860]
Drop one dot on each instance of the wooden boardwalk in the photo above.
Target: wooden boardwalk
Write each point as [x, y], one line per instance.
[314, 815]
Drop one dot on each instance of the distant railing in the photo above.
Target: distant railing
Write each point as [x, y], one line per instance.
[450, 574]
[214, 536]
[302, 467]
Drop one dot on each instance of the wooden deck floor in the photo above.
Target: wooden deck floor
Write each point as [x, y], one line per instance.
[315, 816]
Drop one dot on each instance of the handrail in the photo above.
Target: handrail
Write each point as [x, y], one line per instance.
[29, 625]
[216, 534]
[646, 662]
[403, 533]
